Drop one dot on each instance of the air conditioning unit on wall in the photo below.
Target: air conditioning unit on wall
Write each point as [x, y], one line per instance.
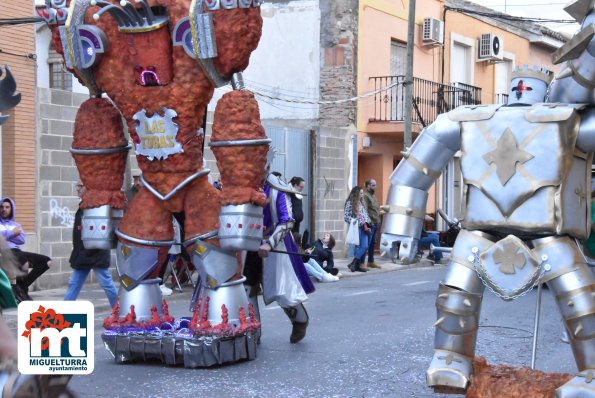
[432, 32]
[490, 48]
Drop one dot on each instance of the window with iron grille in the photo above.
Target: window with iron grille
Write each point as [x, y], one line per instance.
[60, 78]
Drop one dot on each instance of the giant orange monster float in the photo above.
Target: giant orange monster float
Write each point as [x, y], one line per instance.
[155, 64]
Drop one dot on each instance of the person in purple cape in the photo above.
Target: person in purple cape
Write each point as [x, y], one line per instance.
[284, 277]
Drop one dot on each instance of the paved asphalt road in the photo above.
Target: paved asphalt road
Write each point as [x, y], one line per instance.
[369, 336]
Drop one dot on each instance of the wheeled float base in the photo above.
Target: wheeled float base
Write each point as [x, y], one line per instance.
[179, 347]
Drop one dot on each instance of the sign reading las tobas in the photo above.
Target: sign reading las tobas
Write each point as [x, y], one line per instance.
[56, 337]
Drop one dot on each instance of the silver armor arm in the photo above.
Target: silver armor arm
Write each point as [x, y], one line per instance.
[415, 174]
[586, 134]
[576, 79]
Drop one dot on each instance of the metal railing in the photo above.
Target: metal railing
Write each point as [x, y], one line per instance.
[429, 98]
[502, 99]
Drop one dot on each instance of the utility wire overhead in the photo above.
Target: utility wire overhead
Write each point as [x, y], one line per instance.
[498, 15]
[525, 5]
[19, 21]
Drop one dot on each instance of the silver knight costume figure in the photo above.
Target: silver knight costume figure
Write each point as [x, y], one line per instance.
[527, 177]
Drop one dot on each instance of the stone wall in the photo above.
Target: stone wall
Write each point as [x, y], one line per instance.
[331, 171]
[57, 175]
[338, 41]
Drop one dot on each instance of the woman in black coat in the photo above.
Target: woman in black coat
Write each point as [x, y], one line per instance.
[322, 250]
[84, 260]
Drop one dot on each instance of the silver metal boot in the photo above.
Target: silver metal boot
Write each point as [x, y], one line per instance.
[219, 296]
[454, 343]
[574, 295]
[134, 264]
[231, 296]
[143, 297]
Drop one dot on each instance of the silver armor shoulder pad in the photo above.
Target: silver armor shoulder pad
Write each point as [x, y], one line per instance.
[543, 113]
[279, 184]
[470, 113]
[447, 132]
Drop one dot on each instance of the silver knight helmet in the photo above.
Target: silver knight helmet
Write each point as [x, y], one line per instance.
[528, 86]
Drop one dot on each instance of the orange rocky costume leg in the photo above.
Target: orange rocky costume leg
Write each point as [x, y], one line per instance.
[145, 235]
[240, 146]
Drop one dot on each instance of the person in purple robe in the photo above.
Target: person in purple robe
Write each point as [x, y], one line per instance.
[284, 278]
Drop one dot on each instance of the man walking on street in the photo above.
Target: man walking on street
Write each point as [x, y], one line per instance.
[84, 260]
[373, 212]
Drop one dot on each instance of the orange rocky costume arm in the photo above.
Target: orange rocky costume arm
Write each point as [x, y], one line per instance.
[238, 139]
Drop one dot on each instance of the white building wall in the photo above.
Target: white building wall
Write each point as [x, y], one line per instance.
[286, 62]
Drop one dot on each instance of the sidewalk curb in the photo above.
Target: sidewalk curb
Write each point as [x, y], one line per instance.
[387, 266]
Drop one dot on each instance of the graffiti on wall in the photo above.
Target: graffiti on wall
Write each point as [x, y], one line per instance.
[61, 213]
[329, 187]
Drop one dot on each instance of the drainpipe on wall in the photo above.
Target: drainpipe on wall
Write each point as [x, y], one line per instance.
[313, 181]
[407, 139]
[353, 179]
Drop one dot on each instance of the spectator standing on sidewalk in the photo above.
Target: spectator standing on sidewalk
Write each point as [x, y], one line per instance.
[374, 213]
[356, 209]
[298, 184]
[84, 260]
[15, 237]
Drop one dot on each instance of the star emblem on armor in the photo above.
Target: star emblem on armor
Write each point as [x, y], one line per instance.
[506, 155]
[509, 258]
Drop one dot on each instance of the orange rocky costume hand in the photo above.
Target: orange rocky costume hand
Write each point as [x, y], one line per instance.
[237, 120]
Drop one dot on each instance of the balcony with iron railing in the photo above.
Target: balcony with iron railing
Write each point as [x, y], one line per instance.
[429, 99]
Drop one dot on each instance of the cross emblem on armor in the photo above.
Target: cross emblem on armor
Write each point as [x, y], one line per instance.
[450, 359]
[509, 258]
[506, 155]
[589, 376]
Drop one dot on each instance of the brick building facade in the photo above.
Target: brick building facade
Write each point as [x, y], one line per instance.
[19, 140]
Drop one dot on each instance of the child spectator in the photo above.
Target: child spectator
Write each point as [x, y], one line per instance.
[322, 250]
